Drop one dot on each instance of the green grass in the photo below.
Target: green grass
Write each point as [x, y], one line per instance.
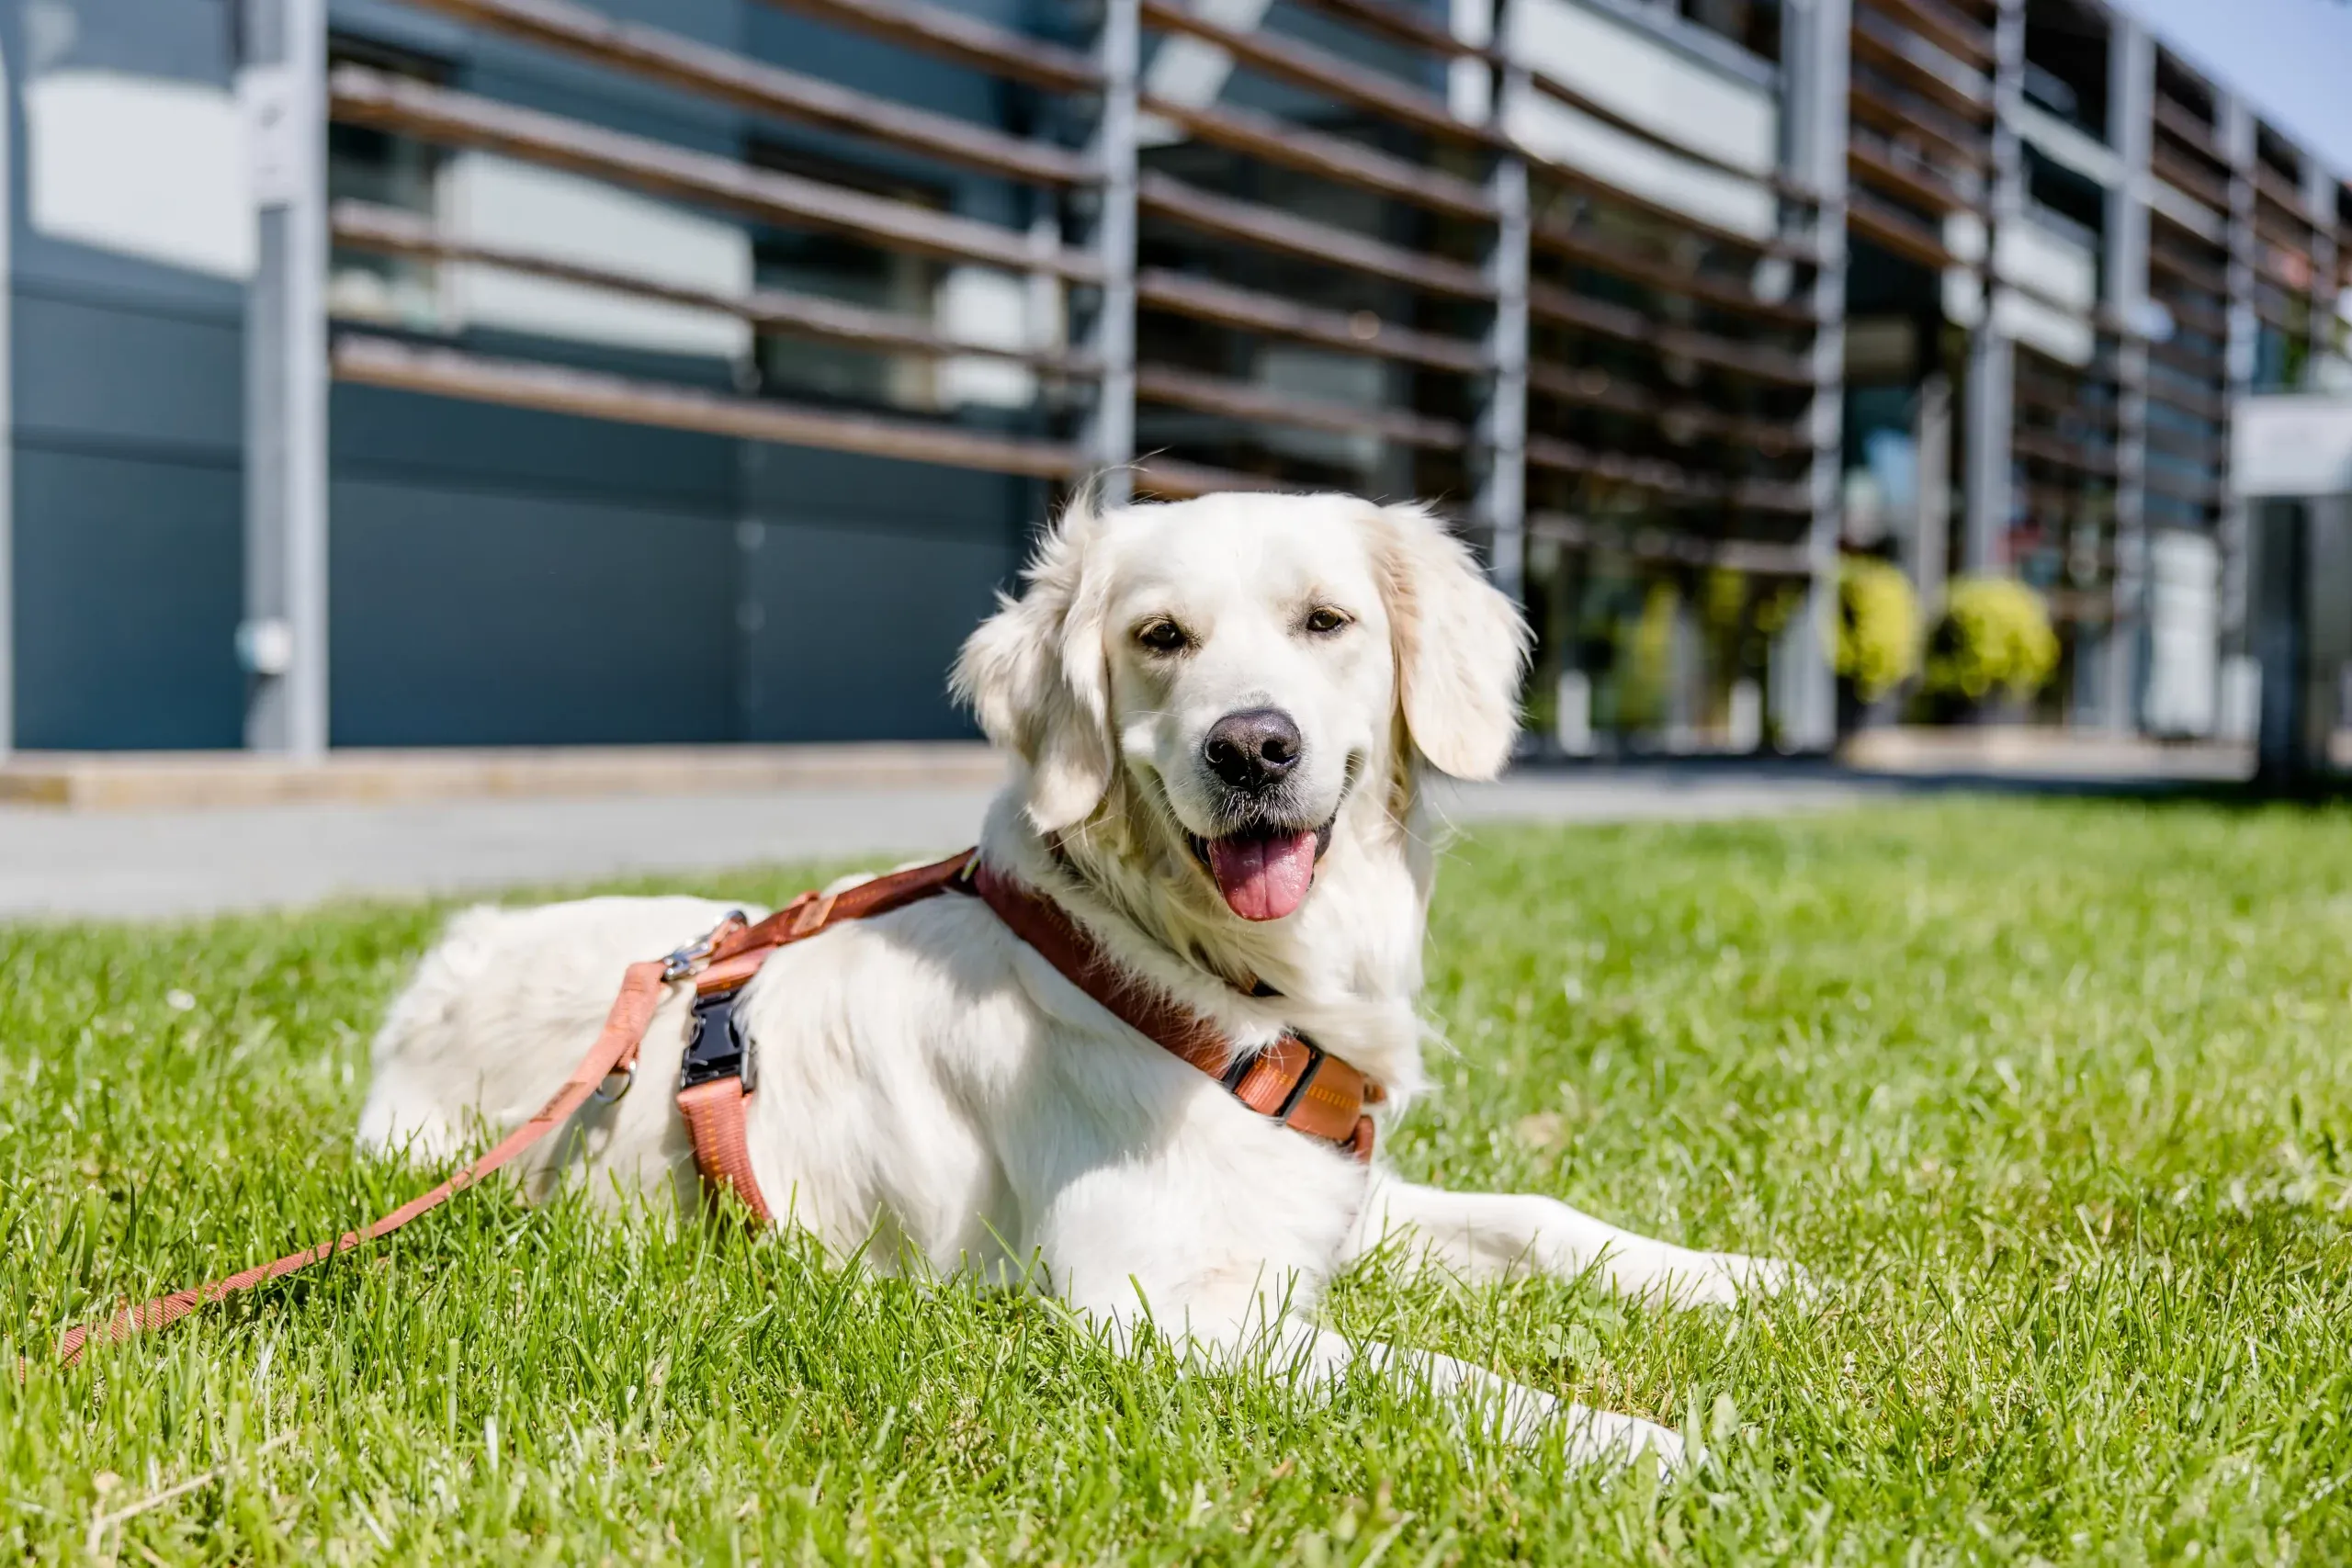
[2058, 1097]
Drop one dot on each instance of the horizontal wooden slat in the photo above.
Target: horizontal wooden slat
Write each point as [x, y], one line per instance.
[1592, 109]
[1917, 185]
[1251, 223]
[1279, 141]
[2043, 447]
[2190, 180]
[767, 89]
[2184, 487]
[1681, 423]
[1899, 113]
[1949, 31]
[2277, 238]
[384, 361]
[2193, 134]
[1402, 24]
[1549, 302]
[2199, 403]
[368, 98]
[1762, 557]
[2207, 279]
[2199, 319]
[1359, 332]
[1886, 225]
[2204, 364]
[1666, 480]
[1787, 246]
[1668, 276]
[1172, 479]
[1898, 53]
[2190, 445]
[960, 37]
[2274, 187]
[2073, 416]
[1304, 65]
[390, 231]
[1245, 400]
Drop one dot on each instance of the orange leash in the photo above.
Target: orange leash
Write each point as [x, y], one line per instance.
[615, 1052]
[1294, 1081]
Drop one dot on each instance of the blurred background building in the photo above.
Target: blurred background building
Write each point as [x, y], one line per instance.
[431, 372]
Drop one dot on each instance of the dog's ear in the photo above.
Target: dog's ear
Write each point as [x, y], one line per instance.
[1034, 676]
[1460, 645]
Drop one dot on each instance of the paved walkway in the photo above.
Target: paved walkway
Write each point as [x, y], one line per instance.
[195, 861]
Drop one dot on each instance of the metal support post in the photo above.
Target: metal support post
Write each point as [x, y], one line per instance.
[2236, 121]
[1992, 353]
[7, 444]
[1804, 689]
[1502, 491]
[283, 641]
[1111, 441]
[2131, 97]
[2320, 187]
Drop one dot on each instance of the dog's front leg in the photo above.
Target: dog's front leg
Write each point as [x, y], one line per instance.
[1317, 1360]
[1493, 1236]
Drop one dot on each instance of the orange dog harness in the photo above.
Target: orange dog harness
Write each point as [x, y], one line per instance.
[1292, 1081]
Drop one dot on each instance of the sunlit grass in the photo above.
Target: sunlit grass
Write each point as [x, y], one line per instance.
[2057, 1099]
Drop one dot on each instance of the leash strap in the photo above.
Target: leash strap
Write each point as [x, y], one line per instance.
[614, 1055]
[1294, 1081]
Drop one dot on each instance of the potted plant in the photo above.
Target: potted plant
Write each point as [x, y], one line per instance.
[1991, 651]
[1877, 640]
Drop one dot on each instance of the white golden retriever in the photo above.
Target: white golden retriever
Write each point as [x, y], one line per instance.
[1222, 712]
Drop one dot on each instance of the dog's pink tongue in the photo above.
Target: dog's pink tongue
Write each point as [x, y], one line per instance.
[1263, 879]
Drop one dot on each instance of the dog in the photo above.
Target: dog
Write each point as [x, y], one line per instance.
[1222, 713]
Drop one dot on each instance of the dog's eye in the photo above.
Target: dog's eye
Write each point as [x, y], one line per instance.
[1162, 636]
[1323, 620]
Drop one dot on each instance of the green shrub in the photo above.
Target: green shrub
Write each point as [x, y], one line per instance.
[1994, 632]
[1878, 627]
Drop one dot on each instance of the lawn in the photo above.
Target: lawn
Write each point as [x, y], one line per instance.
[2056, 1097]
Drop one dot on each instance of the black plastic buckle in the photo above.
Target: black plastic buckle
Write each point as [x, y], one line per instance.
[719, 1048]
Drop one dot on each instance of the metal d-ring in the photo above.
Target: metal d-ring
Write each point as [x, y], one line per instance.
[629, 1081]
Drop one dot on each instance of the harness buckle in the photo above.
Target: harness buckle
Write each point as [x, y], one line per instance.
[719, 1047]
[688, 960]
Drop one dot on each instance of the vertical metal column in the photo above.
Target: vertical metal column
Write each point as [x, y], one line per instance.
[1111, 442]
[2319, 196]
[2236, 121]
[1992, 355]
[1817, 48]
[7, 437]
[283, 641]
[1502, 424]
[2130, 119]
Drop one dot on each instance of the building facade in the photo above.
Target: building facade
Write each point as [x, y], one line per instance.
[428, 372]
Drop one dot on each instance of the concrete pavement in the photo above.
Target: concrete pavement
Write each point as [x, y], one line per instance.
[158, 863]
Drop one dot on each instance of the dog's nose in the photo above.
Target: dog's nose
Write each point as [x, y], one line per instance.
[1253, 751]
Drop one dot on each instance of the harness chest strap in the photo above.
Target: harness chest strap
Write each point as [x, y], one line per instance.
[1293, 1080]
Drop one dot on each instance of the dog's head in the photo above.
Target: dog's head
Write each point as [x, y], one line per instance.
[1251, 663]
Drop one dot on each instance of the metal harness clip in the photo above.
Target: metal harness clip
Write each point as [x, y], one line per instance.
[688, 960]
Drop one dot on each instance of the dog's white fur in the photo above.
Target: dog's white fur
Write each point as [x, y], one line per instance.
[932, 1093]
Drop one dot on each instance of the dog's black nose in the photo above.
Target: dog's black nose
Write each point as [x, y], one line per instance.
[1253, 751]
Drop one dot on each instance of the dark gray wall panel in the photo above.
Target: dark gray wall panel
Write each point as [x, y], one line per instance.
[107, 374]
[855, 628]
[477, 617]
[379, 435]
[129, 578]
